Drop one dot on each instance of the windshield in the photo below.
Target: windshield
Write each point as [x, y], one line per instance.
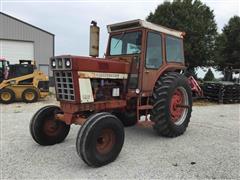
[126, 43]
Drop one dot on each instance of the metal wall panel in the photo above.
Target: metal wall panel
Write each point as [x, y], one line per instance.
[17, 30]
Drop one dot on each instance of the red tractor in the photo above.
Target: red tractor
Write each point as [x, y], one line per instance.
[141, 74]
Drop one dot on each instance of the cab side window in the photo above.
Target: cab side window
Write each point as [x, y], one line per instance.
[174, 49]
[154, 51]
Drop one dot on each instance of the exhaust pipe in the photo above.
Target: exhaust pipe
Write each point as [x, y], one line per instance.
[94, 39]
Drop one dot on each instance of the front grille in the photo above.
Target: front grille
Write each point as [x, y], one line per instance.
[64, 85]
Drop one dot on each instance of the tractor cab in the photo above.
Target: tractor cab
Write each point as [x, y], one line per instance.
[149, 48]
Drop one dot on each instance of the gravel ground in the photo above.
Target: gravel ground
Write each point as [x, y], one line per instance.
[210, 148]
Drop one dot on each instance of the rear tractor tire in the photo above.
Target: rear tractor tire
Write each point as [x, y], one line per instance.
[45, 129]
[100, 139]
[172, 105]
[30, 95]
[7, 96]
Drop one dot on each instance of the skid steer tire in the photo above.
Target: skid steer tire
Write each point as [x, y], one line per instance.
[45, 130]
[7, 96]
[30, 95]
[172, 105]
[100, 139]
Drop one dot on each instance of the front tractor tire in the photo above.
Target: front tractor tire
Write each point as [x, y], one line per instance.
[45, 129]
[172, 105]
[100, 139]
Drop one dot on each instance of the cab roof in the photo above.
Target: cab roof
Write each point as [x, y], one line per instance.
[138, 23]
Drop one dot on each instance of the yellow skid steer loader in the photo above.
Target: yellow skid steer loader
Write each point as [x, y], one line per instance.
[21, 82]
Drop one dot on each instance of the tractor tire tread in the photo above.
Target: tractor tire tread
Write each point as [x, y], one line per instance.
[160, 102]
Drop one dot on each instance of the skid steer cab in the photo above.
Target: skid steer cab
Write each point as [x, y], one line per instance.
[4, 69]
[22, 82]
[141, 74]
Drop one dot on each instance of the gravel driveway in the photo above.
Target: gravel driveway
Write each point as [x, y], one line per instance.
[210, 148]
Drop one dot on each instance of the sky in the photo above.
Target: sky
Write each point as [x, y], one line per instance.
[70, 20]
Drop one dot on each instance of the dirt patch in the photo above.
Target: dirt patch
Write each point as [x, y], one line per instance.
[203, 102]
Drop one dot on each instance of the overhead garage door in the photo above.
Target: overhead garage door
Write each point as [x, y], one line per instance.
[15, 50]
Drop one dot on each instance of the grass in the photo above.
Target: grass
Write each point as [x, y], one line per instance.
[203, 102]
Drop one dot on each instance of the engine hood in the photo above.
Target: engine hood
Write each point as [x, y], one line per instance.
[91, 64]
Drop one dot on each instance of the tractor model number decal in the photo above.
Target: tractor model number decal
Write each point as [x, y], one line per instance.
[86, 95]
[85, 74]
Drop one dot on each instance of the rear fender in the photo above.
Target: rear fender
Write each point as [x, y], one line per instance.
[168, 68]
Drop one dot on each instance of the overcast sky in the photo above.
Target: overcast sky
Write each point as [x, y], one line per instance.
[70, 20]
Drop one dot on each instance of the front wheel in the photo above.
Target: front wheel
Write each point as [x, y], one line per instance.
[30, 95]
[7, 96]
[172, 105]
[45, 129]
[100, 139]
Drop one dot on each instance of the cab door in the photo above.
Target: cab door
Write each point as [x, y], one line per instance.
[153, 59]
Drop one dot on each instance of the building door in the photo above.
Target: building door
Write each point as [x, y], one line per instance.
[13, 51]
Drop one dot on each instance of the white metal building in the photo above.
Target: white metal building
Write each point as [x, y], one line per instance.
[21, 40]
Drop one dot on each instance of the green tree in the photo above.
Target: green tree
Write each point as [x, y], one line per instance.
[209, 76]
[228, 45]
[197, 20]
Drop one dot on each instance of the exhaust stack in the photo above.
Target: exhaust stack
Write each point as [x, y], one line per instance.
[94, 39]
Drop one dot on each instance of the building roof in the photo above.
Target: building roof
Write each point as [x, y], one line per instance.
[1, 13]
[140, 23]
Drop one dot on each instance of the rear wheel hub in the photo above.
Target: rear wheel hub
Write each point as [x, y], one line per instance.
[178, 106]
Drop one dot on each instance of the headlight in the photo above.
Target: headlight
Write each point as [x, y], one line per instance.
[53, 63]
[59, 62]
[67, 63]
